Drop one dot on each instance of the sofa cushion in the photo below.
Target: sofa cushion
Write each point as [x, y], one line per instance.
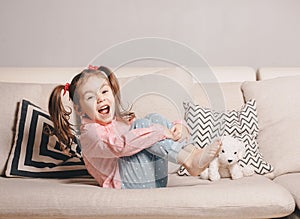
[35, 153]
[251, 197]
[291, 183]
[278, 108]
[206, 124]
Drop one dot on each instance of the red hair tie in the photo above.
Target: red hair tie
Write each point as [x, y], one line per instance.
[66, 88]
[91, 67]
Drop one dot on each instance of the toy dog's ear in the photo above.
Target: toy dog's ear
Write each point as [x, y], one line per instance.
[242, 150]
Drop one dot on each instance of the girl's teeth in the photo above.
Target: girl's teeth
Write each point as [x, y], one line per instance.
[104, 110]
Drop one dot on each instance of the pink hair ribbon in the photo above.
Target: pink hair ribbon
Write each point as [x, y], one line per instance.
[91, 67]
[66, 88]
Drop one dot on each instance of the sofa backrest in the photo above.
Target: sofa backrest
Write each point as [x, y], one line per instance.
[160, 90]
[269, 73]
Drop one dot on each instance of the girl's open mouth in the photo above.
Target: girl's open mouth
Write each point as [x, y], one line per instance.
[104, 110]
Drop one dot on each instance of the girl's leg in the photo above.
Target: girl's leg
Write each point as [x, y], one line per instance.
[148, 168]
[167, 148]
[143, 170]
[161, 171]
[195, 160]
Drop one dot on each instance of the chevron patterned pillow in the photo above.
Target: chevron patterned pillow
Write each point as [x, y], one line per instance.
[207, 124]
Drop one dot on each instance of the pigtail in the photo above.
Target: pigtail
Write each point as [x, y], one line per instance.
[60, 117]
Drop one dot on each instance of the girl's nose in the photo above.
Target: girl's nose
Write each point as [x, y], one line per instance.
[100, 98]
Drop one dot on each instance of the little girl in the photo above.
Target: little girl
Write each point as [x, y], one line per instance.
[119, 150]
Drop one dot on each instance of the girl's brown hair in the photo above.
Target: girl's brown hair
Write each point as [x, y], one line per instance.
[60, 116]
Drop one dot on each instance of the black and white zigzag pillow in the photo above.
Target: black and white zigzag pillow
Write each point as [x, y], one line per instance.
[207, 124]
[35, 153]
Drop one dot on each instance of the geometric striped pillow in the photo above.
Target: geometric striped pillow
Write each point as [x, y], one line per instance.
[206, 125]
[35, 153]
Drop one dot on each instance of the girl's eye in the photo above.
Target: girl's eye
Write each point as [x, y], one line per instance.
[104, 91]
[90, 97]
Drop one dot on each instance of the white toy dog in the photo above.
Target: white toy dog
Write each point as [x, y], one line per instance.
[226, 164]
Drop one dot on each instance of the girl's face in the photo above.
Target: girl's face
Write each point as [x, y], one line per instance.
[96, 99]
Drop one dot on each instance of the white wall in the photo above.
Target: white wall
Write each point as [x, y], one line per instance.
[69, 33]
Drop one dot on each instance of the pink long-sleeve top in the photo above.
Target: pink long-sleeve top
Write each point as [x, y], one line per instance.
[103, 145]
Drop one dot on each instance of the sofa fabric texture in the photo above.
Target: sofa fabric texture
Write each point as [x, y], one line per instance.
[226, 198]
[291, 182]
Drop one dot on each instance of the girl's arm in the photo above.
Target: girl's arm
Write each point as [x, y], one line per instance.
[111, 144]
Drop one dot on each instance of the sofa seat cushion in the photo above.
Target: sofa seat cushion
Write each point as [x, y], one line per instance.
[253, 197]
[291, 183]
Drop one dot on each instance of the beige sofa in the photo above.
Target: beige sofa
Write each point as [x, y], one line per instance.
[273, 195]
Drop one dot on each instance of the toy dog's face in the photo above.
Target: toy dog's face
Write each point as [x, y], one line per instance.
[232, 150]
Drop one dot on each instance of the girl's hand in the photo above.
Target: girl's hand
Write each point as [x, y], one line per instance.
[169, 134]
[180, 132]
